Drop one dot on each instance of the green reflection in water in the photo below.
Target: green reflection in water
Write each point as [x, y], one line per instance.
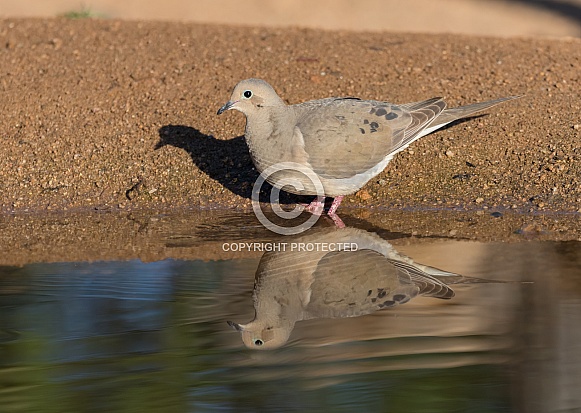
[149, 337]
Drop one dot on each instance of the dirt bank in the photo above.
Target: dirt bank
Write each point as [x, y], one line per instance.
[201, 234]
[108, 115]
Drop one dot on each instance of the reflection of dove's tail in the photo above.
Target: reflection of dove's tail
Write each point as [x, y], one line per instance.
[450, 115]
[436, 272]
[456, 279]
[451, 278]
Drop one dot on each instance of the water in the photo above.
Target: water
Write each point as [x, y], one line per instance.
[153, 336]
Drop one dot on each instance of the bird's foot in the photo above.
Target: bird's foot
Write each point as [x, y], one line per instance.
[333, 212]
[317, 206]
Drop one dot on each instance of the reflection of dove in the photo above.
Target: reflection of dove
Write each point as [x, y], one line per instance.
[296, 285]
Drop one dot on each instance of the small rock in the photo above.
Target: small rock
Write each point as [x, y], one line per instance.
[577, 126]
[479, 200]
[530, 229]
[363, 195]
[496, 214]
[449, 153]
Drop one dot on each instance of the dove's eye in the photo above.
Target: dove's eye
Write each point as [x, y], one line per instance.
[247, 94]
[258, 342]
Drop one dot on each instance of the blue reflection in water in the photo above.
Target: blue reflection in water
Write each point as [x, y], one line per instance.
[152, 337]
[99, 336]
[75, 304]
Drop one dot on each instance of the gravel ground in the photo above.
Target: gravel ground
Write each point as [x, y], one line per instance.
[108, 115]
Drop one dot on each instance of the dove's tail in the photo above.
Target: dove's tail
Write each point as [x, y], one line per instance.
[452, 278]
[450, 115]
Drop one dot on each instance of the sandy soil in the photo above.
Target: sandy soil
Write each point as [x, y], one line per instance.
[109, 115]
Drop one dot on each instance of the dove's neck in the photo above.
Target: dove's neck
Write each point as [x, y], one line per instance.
[269, 135]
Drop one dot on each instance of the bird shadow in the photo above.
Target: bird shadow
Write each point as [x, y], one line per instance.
[226, 161]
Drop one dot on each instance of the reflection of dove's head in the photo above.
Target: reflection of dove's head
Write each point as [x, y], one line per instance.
[258, 336]
[250, 96]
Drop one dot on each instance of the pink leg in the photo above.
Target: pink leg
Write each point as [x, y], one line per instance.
[337, 221]
[333, 212]
[317, 206]
[335, 205]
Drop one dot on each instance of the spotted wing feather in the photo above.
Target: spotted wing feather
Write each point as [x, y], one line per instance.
[354, 283]
[428, 285]
[344, 137]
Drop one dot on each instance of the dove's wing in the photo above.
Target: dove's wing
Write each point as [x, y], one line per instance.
[428, 285]
[355, 283]
[344, 137]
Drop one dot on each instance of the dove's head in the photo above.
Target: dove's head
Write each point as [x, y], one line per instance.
[261, 337]
[250, 96]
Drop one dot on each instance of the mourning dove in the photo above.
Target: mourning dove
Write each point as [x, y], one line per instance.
[344, 142]
[294, 285]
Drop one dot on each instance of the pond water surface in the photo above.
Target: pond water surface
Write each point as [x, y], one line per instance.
[341, 328]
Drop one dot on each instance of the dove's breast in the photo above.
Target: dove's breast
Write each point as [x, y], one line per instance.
[312, 148]
[284, 164]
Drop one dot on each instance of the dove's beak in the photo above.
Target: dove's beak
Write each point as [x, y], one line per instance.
[226, 107]
[232, 324]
